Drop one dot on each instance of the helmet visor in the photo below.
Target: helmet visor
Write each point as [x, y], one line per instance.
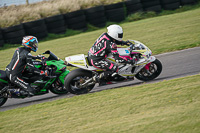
[34, 45]
[120, 35]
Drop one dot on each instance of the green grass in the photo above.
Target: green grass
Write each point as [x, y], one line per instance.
[150, 14]
[169, 106]
[165, 107]
[161, 34]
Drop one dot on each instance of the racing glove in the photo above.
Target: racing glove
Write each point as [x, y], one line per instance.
[125, 43]
[40, 56]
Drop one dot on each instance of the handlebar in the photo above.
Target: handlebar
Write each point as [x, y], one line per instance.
[130, 44]
[127, 43]
[43, 60]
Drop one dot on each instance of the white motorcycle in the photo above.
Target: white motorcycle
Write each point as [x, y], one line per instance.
[82, 80]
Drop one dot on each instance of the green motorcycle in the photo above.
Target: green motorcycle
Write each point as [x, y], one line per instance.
[54, 82]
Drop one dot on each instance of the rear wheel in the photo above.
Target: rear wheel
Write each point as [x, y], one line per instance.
[3, 97]
[2, 100]
[155, 68]
[77, 77]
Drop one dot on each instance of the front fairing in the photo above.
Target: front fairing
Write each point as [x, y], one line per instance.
[57, 66]
[139, 47]
[63, 75]
[60, 68]
[52, 56]
[60, 65]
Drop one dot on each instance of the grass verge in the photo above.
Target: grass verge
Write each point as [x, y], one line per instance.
[167, 106]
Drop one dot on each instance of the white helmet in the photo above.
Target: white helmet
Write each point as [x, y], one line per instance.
[115, 31]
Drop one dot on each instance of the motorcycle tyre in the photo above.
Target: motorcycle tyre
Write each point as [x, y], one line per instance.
[58, 92]
[77, 73]
[156, 74]
[3, 100]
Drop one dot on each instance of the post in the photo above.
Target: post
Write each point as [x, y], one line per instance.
[27, 2]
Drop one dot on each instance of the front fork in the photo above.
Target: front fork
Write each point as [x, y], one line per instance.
[91, 81]
[95, 79]
[147, 68]
[88, 82]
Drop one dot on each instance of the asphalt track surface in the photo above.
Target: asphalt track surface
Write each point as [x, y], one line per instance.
[175, 64]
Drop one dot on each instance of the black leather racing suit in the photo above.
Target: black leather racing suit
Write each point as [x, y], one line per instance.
[99, 51]
[21, 58]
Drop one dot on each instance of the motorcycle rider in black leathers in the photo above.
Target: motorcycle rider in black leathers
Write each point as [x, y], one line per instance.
[22, 58]
[105, 44]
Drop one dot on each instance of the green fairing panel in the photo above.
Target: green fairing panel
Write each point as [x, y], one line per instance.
[3, 81]
[37, 66]
[49, 82]
[63, 75]
[59, 64]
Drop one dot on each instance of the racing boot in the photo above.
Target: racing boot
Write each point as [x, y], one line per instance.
[26, 93]
[104, 82]
[31, 91]
[107, 75]
[97, 78]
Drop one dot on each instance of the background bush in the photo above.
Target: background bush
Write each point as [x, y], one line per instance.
[13, 15]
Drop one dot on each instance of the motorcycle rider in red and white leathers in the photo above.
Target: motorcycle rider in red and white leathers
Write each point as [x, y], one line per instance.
[105, 44]
[22, 58]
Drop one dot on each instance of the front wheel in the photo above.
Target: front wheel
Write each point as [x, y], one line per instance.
[155, 68]
[77, 77]
[58, 88]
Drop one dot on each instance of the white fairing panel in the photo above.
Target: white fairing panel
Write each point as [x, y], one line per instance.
[79, 61]
[124, 51]
[152, 59]
[79, 57]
